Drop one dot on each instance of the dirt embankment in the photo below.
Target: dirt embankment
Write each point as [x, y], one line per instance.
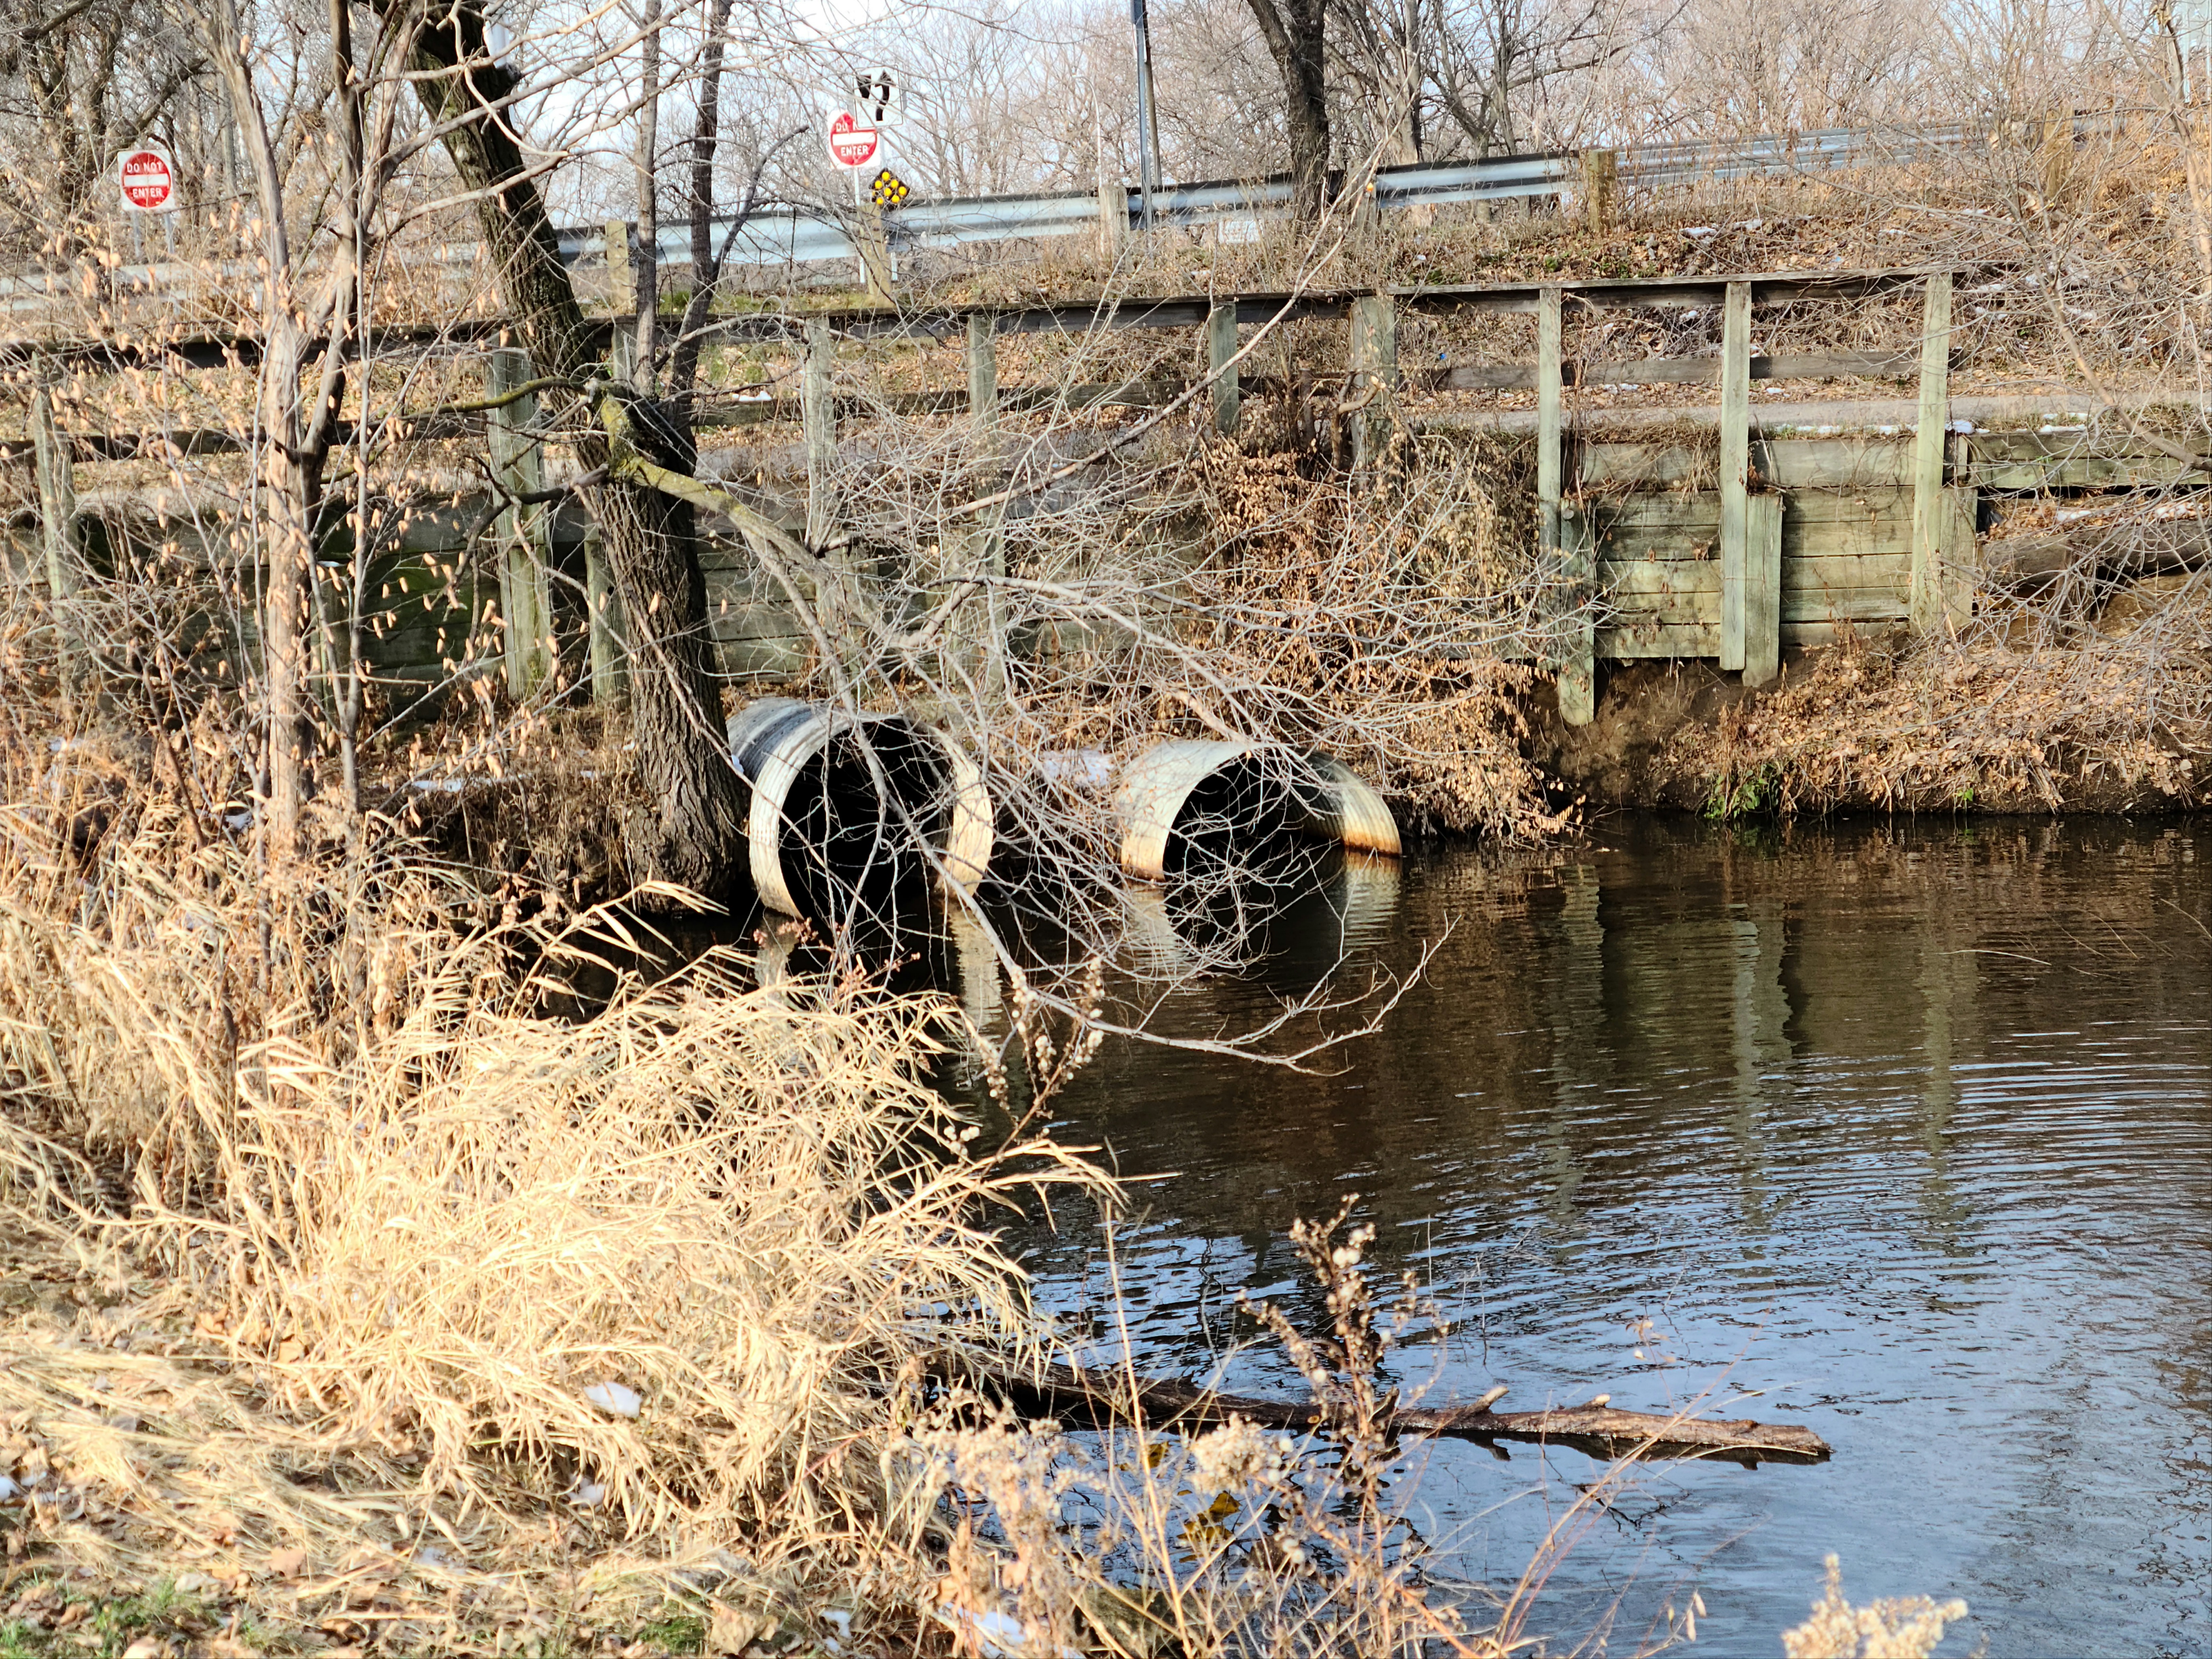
[1884, 725]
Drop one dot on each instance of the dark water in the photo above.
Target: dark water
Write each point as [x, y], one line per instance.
[1909, 1129]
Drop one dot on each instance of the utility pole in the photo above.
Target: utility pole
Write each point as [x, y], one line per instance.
[1148, 118]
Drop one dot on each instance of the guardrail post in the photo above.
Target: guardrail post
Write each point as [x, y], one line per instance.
[526, 600]
[1562, 540]
[1375, 373]
[57, 529]
[1600, 177]
[1930, 511]
[1112, 208]
[1220, 347]
[1734, 468]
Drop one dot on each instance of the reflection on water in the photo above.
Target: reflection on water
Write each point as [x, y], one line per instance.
[1908, 1129]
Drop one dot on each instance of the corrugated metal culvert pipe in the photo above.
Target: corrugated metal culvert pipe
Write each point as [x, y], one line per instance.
[1236, 834]
[1190, 803]
[843, 805]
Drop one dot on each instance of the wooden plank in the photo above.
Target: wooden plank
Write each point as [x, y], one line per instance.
[622, 284]
[608, 647]
[1845, 573]
[1828, 633]
[1733, 468]
[1702, 508]
[1855, 605]
[818, 414]
[979, 637]
[1682, 371]
[1669, 576]
[1660, 639]
[1787, 464]
[1692, 544]
[1816, 540]
[1630, 611]
[58, 533]
[1762, 590]
[2073, 460]
[1930, 508]
[1698, 509]
[1875, 505]
[1959, 552]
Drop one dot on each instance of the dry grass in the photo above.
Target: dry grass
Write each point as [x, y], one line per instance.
[371, 1235]
[1952, 722]
[1896, 1628]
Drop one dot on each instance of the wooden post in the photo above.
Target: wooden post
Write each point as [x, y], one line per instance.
[1762, 589]
[1567, 540]
[1601, 174]
[987, 546]
[1929, 510]
[984, 375]
[817, 414]
[525, 599]
[609, 650]
[1549, 478]
[1375, 371]
[622, 282]
[58, 530]
[1220, 347]
[837, 585]
[1734, 468]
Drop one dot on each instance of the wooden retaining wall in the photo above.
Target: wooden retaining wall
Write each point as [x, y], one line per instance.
[1730, 552]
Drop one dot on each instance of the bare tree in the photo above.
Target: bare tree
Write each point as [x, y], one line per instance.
[1297, 33]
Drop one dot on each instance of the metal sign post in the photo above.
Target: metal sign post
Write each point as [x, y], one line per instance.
[855, 141]
[1148, 118]
[146, 182]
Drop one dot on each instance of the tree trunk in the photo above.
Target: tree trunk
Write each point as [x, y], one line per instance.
[1296, 32]
[648, 537]
[280, 520]
[706, 269]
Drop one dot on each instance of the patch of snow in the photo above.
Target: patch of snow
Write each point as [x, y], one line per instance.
[615, 1399]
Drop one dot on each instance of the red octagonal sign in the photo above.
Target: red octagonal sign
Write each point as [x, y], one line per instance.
[148, 180]
[852, 144]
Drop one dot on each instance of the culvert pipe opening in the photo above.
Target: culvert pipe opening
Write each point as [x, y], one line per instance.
[1236, 834]
[847, 810]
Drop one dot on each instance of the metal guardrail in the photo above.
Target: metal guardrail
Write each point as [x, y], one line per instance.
[792, 236]
[799, 235]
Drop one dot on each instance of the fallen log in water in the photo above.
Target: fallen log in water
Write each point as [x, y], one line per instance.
[1100, 1400]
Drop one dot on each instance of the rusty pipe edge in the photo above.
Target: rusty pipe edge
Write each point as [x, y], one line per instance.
[1334, 802]
[773, 739]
